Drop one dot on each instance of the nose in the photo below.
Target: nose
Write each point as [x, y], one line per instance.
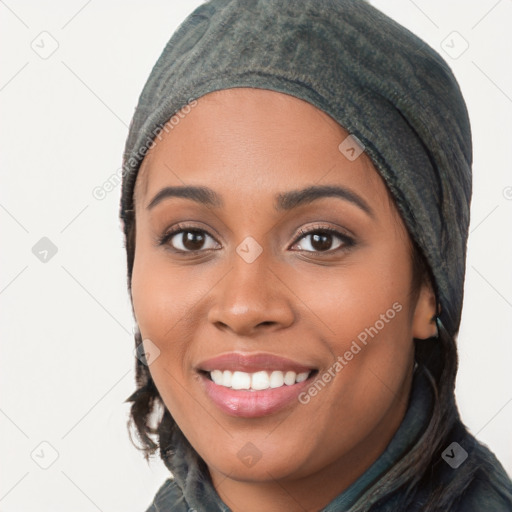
[251, 298]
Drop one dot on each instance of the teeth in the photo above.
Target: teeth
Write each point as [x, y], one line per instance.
[277, 379]
[289, 378]
[241, 380]
[256, 381]
[216, 376]
[260, 380]
[226, 378]
[302, 376]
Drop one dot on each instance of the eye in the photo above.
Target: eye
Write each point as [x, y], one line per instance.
[321, 240]
[190, 239]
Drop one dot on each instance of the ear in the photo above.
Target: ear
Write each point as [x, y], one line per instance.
[424, 324]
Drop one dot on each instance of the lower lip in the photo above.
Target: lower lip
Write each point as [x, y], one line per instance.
[253, 404]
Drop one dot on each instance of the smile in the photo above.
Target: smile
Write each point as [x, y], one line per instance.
[253, 385]
[257, 381]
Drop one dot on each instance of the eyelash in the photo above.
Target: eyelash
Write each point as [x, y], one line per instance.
[347, 241]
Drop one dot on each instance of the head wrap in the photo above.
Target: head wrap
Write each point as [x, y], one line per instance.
[379, 81]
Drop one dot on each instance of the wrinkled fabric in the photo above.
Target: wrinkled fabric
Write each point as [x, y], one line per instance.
[374, 77]
[490, 491]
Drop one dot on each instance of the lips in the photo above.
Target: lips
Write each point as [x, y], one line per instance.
[253, 385]
[251, 363]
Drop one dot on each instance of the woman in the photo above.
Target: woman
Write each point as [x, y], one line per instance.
[296, 207]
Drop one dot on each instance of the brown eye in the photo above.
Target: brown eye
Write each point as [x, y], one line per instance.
[323, 240]
[188, 240]
[192, 240]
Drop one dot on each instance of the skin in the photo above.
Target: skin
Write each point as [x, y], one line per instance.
[299, 299]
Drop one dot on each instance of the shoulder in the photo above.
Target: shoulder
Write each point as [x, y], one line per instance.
[169, 497]
[485, 494]
[466, 477]
[480, 479]
[490, 488]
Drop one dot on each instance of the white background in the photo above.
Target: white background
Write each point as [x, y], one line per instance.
[67, 362]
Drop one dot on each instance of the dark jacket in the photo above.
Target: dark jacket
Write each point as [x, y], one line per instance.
[489, 491]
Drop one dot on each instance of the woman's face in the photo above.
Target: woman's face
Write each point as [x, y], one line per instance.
[293, 263]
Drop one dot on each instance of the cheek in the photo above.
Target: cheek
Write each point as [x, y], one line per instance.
[161, 304]
[364, 313]
[149, 301]
[159, 297]
[367, 290]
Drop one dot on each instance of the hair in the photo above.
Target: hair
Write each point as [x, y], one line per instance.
[437, 357]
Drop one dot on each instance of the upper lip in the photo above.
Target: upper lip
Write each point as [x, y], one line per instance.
[237, 361]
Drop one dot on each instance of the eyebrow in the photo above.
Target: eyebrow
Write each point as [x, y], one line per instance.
[284, 201]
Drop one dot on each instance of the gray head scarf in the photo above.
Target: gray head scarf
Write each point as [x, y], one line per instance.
[383, 84]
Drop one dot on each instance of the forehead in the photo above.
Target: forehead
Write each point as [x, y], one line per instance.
[253, 141]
